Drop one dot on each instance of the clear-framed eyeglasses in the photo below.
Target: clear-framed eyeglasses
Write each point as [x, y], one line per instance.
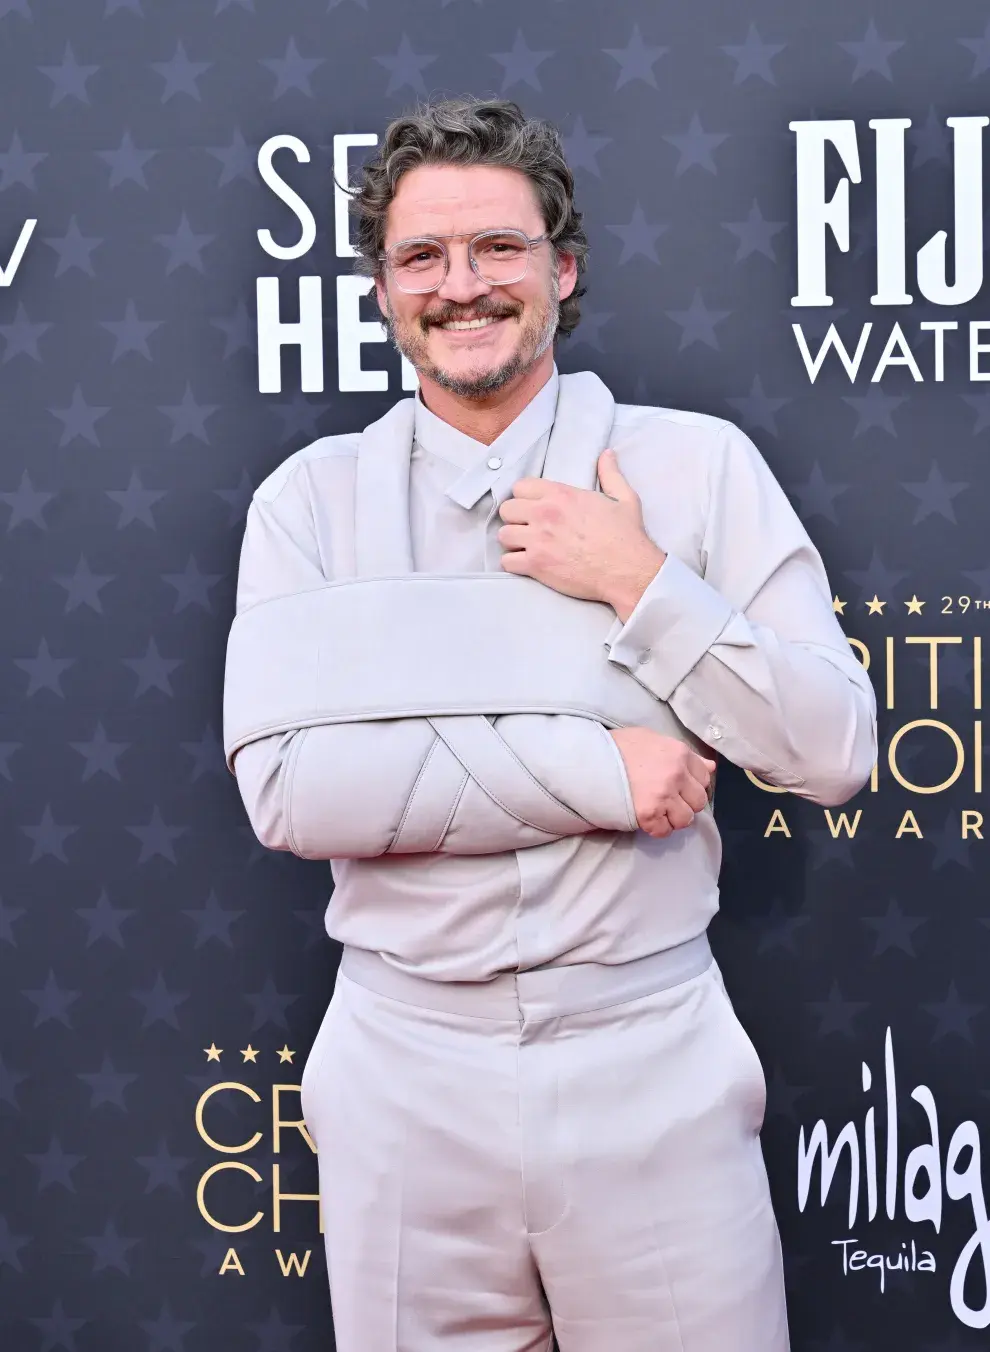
[498, 257]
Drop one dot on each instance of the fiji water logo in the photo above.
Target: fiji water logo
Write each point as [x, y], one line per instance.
[927, 1179]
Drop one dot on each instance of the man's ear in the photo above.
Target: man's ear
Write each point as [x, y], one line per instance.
[566, 273]
[382, 296]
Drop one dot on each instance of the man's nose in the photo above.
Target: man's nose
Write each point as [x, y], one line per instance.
[461, 284]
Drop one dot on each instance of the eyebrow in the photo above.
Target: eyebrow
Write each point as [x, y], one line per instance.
[458, 234]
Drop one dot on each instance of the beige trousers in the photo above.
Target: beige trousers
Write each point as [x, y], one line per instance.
[578, 1156]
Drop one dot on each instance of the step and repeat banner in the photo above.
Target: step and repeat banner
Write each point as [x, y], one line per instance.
[785, 209]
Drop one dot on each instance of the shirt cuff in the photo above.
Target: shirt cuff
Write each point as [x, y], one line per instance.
[672, 626]
[625, 819]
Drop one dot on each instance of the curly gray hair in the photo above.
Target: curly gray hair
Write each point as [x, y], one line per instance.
[471, 131]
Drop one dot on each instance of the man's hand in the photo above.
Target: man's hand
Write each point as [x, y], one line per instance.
[669, 781]
[582, 543]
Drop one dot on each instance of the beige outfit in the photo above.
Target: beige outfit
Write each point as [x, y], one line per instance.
[531, 1097]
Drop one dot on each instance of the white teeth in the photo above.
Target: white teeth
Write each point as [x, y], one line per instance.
[469, 323]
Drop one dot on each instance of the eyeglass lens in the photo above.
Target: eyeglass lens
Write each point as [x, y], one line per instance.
[499, 258]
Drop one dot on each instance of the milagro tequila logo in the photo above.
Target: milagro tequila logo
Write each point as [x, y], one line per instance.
[958, 1176]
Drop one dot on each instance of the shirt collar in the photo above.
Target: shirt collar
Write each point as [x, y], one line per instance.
[472, 457]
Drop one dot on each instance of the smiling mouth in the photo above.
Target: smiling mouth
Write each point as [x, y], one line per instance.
[469, 325]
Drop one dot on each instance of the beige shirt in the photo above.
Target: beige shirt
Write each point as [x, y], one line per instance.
[778, 691]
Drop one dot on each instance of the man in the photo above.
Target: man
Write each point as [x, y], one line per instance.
[485, 655]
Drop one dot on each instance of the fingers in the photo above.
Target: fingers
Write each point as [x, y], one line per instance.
[679, 789]
[700, 767]
[674, 815]
[679, 813]
[695, 795]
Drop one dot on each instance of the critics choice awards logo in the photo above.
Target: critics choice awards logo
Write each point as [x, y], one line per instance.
[915, 675]
[257, 1145]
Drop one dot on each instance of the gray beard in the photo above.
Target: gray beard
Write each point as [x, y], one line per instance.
[477, 387]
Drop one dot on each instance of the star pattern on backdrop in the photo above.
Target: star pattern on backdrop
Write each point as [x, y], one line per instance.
[184, 247]
[753, 57]
[131, 333]
[637, 60]
[639, 237]
[26, 503]
[758, 410]
[17, 164]
[22, 336]
[180, 75]
[697, 323]
[581, 148]
[872, 54]
[127, 163]
[141, 919]
[696, 146]
[69, 78]
[74, 249]
[755, 234]
[930, 140]
[238, 160]
[292, 71]
[405, 68]
[521, 65]
[980, 51]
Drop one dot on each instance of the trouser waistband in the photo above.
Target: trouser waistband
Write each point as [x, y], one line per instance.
[542, 993]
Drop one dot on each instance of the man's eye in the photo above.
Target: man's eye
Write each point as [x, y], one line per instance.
[500, 248]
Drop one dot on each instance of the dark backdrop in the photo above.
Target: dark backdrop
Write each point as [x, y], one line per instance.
[151, 949]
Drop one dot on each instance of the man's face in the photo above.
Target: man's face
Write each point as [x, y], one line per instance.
[441, 200]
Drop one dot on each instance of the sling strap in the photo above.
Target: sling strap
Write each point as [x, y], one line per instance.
[422, 645]
[382, 641]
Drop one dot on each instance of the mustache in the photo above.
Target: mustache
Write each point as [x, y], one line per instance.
[481, 309]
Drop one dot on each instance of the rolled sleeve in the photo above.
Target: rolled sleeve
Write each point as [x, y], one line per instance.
[749, 655]
[674, 623]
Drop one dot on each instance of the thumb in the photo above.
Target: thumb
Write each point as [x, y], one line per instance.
[610, 477]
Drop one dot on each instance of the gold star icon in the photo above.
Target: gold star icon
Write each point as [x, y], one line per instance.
[838, 606]
[875, 607]
[914, 606]
[213, 1052]
[285, 1055]
[250, 1053]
